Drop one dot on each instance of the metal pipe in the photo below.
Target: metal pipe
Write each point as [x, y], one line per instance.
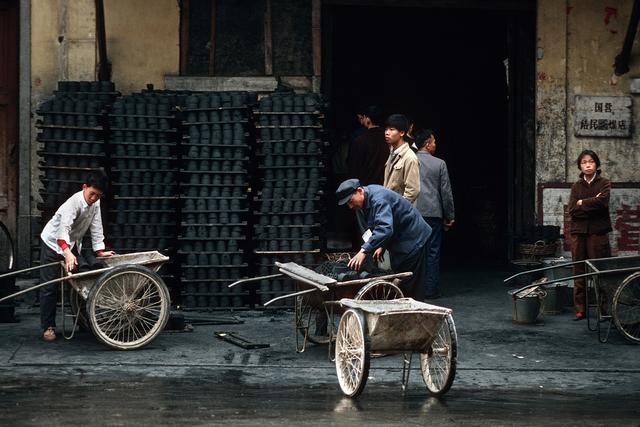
[621, 64]
[104, 67]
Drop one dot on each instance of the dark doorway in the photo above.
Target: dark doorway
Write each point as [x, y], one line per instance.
[8, 111]
[449, 70]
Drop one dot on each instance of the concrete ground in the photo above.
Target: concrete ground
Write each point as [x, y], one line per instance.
[494, 354]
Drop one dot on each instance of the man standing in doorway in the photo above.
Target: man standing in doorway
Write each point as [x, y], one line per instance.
[402, 171]
[435, 204]
[395, 226]
[369, 152]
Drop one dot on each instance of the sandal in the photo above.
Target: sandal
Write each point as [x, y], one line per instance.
[49, 334]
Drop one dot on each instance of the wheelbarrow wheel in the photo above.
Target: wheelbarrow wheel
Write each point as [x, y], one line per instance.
[626, 308]
[78, 308]
[438, 364]
[312, 321]
[352, 353]
[128, 307]
[379, 290]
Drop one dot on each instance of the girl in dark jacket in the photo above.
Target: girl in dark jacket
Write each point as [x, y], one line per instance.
[590, 221]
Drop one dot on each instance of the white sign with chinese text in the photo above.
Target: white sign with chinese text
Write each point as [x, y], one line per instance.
[608, 116]
[624, 208]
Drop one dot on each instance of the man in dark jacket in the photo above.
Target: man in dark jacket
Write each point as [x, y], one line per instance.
[395, 225]
[369, 152]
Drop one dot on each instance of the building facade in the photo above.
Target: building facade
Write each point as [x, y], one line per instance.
[514, 89]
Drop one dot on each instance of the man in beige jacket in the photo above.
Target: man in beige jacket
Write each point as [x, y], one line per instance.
[402, 170]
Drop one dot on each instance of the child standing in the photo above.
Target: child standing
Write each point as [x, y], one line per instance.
[61, 239]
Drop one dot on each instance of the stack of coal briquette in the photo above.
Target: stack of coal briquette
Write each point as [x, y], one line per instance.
[290, 179]
[144, 171]
[214, 187]
[72, 143]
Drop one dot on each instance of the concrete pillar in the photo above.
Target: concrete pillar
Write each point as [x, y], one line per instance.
[24, 142]
[551, 93]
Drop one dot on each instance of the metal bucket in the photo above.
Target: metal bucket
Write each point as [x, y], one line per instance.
[564, 290]
[551, 302]
[526, 309]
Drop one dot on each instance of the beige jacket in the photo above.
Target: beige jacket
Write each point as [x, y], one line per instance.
[402, 173]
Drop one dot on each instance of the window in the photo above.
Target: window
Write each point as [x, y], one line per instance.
[245, 37]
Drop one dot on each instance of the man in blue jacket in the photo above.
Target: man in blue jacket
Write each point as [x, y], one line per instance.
[395, 226]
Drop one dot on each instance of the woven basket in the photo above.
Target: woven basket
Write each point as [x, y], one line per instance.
[536, 251]
[338, 256]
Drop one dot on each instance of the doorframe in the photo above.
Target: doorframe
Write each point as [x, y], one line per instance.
[520, 209]
[23, 241]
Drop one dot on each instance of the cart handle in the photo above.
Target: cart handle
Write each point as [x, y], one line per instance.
[33, 288]
[565, 279]
[369, 279]
[565, 264]
[26, 270]
[306, 291]
[254, 279]
[318, 286]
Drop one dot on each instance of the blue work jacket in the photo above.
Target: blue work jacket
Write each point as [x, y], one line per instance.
[395, 224]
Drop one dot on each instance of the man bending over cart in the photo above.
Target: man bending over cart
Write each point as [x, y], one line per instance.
[395, 225]
[61, 239]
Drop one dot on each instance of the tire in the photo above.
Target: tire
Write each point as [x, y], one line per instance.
[128, 307]
[352, 353]
[379, 290]
[626, 308]
[438, 365]
[312, 321]
[78, 308]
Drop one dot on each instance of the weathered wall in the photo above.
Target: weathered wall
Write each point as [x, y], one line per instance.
[62, 48]
[143, 42]
[577, 44]
[596, 31]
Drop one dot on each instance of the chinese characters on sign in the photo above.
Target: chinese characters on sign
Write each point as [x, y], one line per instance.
[624, 208]
[608, 116]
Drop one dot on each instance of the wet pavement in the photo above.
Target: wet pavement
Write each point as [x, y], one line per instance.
[552, 373]
[222, 396]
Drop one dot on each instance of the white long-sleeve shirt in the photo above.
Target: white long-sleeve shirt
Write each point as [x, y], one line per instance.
[70, 223]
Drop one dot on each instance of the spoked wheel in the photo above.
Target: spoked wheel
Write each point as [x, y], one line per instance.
[128, 306]
[438, 364]
[352, 353]
[626, 308]
[312, 321]
[379, 290]
[79, 309]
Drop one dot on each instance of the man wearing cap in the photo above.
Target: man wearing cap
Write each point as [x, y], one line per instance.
[402, 170]
[395, 226]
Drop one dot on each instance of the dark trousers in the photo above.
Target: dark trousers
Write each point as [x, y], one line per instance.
[414, 286]
[433, 256]
[586, 246]
[49, 294]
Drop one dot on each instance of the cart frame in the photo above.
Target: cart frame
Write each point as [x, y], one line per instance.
[370, 327]
[310, 307]
[613, 290]
[127, 304]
